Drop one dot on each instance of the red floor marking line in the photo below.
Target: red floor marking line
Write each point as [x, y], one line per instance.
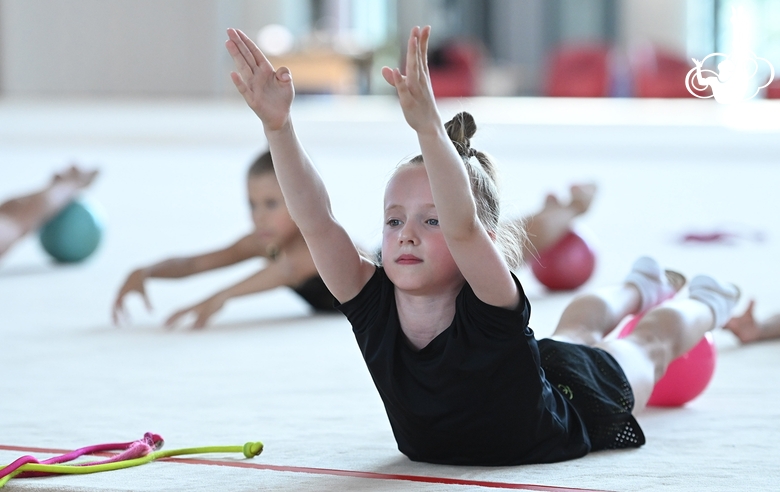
[339, 473]
[28, 449]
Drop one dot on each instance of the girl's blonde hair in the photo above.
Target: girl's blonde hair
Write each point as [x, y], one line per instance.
[509, 236]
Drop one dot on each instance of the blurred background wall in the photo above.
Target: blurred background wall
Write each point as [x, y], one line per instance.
[175, 48]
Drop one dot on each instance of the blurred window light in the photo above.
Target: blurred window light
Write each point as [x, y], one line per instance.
[275, 40]
[756, 29]
[700, 25]
[371, 22]
[712, 27]
[738, 26]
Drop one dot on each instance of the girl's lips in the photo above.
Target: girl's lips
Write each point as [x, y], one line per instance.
[408, 260]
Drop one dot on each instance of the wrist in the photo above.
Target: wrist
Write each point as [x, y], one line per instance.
[433, 132]
[277, 129]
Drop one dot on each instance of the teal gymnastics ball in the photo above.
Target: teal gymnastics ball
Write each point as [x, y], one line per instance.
[74, 233]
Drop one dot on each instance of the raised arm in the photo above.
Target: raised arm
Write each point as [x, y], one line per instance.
[270, 94]
[477, 256]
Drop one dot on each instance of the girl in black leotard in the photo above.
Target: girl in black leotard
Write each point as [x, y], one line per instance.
[443, 324]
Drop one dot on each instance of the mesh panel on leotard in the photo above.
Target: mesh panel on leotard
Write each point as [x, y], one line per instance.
[597, 388]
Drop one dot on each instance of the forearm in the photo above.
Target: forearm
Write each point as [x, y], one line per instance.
[450, 184]
[770, 328]
[259, 282]
[30, 211]
[303, 189]
[171, 268]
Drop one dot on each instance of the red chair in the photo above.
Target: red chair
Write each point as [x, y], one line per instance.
[659, 73]
[456, 68]
[773, 89]
[578, 71]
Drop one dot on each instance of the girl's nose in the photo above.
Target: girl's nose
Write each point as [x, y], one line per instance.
[257, 217]
[409, 234]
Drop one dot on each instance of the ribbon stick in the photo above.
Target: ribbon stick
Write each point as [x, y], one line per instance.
[133, 449]
[134, 453]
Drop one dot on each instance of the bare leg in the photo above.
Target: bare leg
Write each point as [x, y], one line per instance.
[590, 317]
[21, 215]
[546, 227]
[663, 334]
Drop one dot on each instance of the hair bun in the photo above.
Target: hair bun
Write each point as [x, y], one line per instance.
[460, 129]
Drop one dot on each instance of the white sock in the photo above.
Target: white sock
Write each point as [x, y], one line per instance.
[719, 297]
[652, 282]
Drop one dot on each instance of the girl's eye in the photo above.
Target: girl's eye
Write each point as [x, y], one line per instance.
[433, 222]
[393, 222]
[271, 204]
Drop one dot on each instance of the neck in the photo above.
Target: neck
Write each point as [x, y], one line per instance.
[423, 317]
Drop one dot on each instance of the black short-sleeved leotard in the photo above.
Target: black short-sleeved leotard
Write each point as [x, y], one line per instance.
[316, 294]
[477, 393]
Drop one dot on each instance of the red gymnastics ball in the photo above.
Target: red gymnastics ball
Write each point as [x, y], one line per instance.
[687, 376]
[566, 265]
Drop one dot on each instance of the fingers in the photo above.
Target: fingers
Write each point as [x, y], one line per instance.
[425, 35]
[201, 320]
[411, 53]
[146, 300]
[238, 82]
[239, 41]
[283, 74]
[243, 59]
[750, 307]
[175, 317]
[389, 76]
[257, 55]
[116, 312]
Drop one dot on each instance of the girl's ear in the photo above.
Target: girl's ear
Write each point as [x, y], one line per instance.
[492, 235]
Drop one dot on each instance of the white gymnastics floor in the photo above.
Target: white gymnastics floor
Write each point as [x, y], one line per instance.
[265, 369]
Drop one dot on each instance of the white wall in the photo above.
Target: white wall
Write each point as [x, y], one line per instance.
[115, 48]
[122, 47]
[661, 22]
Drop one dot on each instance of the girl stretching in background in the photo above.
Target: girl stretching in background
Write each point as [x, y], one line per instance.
[27, 213]
[275, 238]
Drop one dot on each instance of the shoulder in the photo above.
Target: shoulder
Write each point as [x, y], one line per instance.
[471, 310]
[249, 246]
[376, 294]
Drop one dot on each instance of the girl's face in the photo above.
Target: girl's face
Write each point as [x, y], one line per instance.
[414, 253]
[273, 224]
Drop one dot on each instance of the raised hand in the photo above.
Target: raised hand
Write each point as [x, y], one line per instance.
[134, 283]
[267, 91]
[697, 62]
[203, 311]
[414, 88]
